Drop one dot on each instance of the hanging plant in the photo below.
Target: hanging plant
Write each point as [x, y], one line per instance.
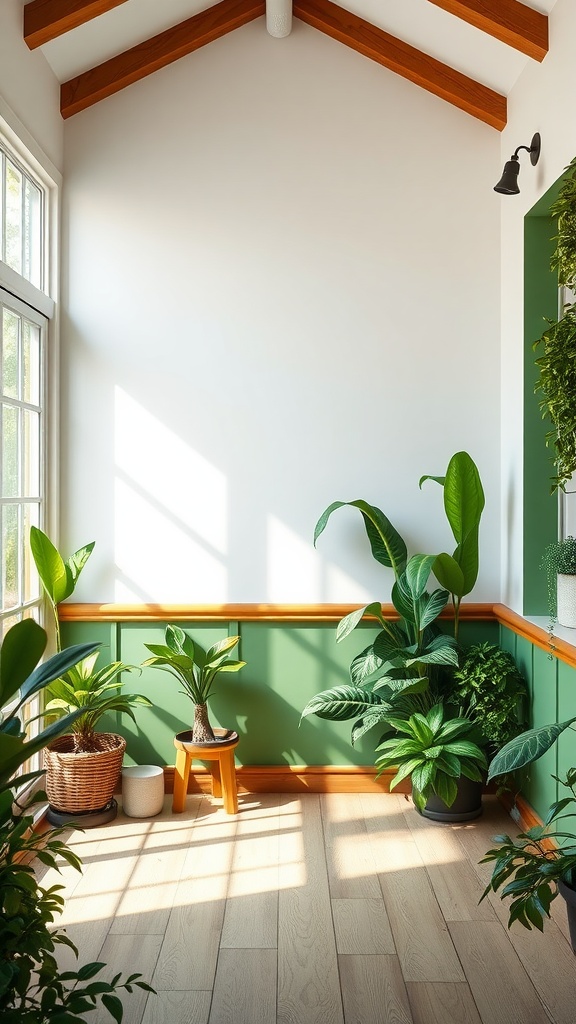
[557, 365]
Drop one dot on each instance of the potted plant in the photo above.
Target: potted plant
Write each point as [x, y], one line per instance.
[559, 561]
[533, 869]
[82, 767]
[556, 374]
[436, 752]
[196, 670]
[405, 671]
[32, 987]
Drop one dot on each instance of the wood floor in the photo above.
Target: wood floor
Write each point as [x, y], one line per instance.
[332, 909]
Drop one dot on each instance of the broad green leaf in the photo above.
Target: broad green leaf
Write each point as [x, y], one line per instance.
[364, 665]
[423, 776]
[449, 574]
[22, 648]
[464, 748]
[50, 566]
[387, 545]
[526, 748]
[419, 726]
[463, 496]
[77, 561]
[446, 788]
[232, 666]
[418, 572]
[340, 703]
[440, 651]
[367, 722]
[466, 554]
[221, 647]
[431, 605]
[55, 667]
[402, 600]
[437, 479]
[175, 639]
[349, 622]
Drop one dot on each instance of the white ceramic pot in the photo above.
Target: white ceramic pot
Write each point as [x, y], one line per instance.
[142, 790]
[566, 596]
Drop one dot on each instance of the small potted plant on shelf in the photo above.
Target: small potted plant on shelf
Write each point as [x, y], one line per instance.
[538, 864]
[559, 561]
[196, 670]
[405, 674]
[82, 767]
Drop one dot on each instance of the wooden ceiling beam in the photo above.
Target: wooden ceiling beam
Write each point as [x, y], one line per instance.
[508, 20]
[142, 60]
[46, 19]
[404, 60]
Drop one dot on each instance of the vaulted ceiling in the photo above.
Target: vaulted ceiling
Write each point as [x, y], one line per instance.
[468, 52]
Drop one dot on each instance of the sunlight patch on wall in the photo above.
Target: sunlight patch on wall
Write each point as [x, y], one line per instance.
[293, 569]
[170, 513]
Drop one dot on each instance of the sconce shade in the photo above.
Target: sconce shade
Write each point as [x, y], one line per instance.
[508, 184]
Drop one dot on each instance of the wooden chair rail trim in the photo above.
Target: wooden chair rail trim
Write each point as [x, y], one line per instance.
[405, 60]
[136, 63]
[69, 612]
[559, 648]
[509, 21]
[47, 19]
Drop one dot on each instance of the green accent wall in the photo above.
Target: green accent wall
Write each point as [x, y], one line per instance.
[286, 664]
[540, 303]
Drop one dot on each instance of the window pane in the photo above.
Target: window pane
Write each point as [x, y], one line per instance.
[32, 269]
[10, 545]
[8, 622]
[13, 217]
[31, 453]
[31, 579]
[10, 451]
[10, 330]
[31, 361]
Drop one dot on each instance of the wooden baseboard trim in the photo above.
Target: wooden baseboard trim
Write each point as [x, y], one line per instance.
[295, 779]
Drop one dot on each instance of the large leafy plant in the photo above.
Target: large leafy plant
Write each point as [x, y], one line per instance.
[58, 576]
[491, 691]
[434, 751]
[32, 988]
[195, 669]
[398, 674]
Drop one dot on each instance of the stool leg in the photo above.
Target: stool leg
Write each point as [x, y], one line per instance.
[216, 779]
[228, 771]
[181, 775]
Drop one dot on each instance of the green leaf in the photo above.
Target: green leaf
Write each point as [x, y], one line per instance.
[349, 622]
[50, 565]
[90, 970]
[467, 557]
[221, 647]
[449, 574]
[437, 479]
[446, 788]
[419, 726]
[463, 496]
[364, 665]
[367, 722]
[114, 1007]
[387, 545]
[341, 703]
[76, 563]
[22, 648]
[526, 748]
[418, 572]
[431, 605]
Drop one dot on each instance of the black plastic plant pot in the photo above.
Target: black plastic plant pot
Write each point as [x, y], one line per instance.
[466, 807]
[569, 895]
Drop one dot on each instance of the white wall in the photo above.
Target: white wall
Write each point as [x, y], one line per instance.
[28, 85]
[541, 101]
[283, 289]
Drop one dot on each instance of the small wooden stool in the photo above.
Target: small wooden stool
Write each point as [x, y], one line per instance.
[222, 767]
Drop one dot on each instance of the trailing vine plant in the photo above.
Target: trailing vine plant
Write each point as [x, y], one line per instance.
[557, 365]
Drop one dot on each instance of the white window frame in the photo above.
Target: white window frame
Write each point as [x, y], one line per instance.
[19, 144]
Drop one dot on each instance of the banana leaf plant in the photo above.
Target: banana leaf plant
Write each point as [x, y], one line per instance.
[58, 576]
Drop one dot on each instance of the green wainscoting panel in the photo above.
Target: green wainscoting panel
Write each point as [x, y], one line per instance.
[567, 741]
[286, 664]
[540, 789]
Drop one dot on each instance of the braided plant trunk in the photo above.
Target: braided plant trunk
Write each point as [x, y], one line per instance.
[202, 730]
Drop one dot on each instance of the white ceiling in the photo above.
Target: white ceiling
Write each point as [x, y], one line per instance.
[418, 22]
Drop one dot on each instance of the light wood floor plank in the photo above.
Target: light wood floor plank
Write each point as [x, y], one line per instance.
[128, 953]
[442, 1003]
[373, 990]
[362, 926]
[308, 983]
[455, 882]
[349, 857]
[499, 984]
[245, 987]
[251, 916]
[177, 1008]
[420, 932]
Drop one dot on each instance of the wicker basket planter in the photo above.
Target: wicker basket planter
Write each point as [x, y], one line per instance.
[77, 783]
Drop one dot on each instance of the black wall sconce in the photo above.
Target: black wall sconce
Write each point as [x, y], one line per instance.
[508, 184]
